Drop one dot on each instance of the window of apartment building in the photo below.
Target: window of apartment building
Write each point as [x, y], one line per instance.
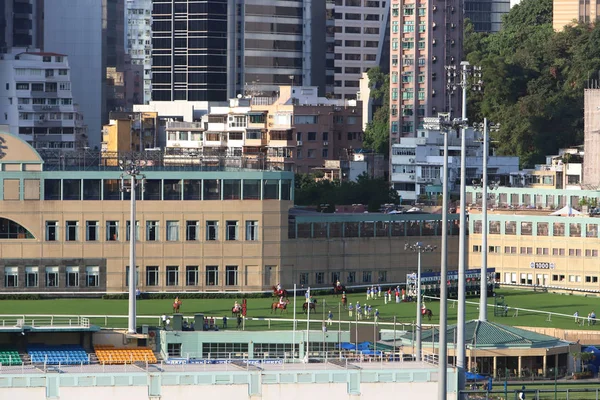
[212, 230]
[71, 230]
[22, 86]
[152, 276]
[52, 276]
[92, 274]
[231, 275]
[191, 275]
[591, 253]
[311, 153]
[128, 230]
[191, 230]
[37, 87]
[409, 26]
[394, 93]
[91, 231]
[494, 249]
[367, 277]
[409, 9]
[112, 231]
[172, 231]
[408, 94]
[72, 275]
[11, 277]
[382, 276]
[251, 230]
[395, 10]
[574, 278]
[31, 276]
[172, 275]
[408, 44]
[212, 275]
[305, 119]
[403, 151]
[152, 231]
[312, 136]
[237, 121]
[395, 26]
[51, 231]
[351, 277]
[526, 250]
[476, 248]
[319, 278]
[299, 154]
[303, 278]
[231, 230]
[325, 153]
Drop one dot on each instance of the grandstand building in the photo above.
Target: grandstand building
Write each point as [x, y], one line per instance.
[63, 229]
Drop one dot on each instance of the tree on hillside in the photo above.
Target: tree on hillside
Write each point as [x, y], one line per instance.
[533, 80]
[377, 133]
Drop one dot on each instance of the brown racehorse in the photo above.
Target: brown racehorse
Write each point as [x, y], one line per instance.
[177, 306]
[278, 305]
[313, 306]
[279, 293]
[428, 313]
[338, 289]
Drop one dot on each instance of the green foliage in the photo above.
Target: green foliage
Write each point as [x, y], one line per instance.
[534, 79]
[377, 133]
[371, 192]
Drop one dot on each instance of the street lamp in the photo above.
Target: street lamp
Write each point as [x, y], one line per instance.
[444, 124]
[484, 226]
[470, 77]
[132, 169]
[419, 248]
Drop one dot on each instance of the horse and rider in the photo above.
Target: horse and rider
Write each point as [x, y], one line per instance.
[280, 305]
[338, 288]
[236, 309]
[310, 303]
[426, 312]
[177, 305]
[278, 291]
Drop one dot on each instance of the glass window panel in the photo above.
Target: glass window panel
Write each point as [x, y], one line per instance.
[112, 189]
[270, 189]
[212, 189]
[172, 189]
[286, 189]
[52, 189]
[232, 189]
[192, 189]
[252, 189]
[152, 189]
[72, 189]
[91, 189]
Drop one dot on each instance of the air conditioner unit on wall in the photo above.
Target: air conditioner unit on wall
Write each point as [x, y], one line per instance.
[411, 177]
[411, 160]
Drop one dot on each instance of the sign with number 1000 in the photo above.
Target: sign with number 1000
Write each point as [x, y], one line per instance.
[541, 265]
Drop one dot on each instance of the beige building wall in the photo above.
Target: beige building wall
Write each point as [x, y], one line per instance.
[591, 141]
[567, 12]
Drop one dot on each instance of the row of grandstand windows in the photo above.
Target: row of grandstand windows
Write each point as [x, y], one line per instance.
[52, 277]
[172, 231]
[169, 189]
[526, 228]
[190, 275]
[540, 251]
[320, 278]
[367, 229]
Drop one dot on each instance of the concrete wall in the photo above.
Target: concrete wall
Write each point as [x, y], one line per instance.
[237, 385]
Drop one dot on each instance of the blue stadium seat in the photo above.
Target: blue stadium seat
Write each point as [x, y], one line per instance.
[65, 354]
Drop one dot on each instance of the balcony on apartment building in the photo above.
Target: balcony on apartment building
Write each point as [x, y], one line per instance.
[257, 120]
[215, 139]
[281, 138]
[255, 138]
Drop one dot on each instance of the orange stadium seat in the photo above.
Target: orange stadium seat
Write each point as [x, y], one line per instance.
[112, 355]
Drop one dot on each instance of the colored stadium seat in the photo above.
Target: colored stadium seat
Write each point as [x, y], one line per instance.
[113, 355]
[10, 357]
[65, 354]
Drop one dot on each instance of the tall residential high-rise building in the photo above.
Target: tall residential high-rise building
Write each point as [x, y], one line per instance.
[361, 34]
[486, 15]
[138, 41]
[90, 32]
[565, 12]
[425, 36]
[189, 50]
[279, 43]
[38, 103]
[17, 24]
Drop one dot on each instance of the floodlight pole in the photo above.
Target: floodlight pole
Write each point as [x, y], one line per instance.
[131, 326]
[484, 228]
[132, 169]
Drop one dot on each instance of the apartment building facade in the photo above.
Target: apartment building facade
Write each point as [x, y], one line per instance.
[18, 26]
[425, 36]
[361, 42]
[138, 41]
[38, 104]
[296, 131]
